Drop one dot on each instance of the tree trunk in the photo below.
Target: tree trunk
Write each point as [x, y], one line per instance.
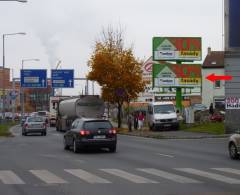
[119, 115]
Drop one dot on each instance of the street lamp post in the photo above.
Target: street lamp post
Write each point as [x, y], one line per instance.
[3, 66]
[22, 89]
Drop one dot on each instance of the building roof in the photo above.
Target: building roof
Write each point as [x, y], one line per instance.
[214, 59]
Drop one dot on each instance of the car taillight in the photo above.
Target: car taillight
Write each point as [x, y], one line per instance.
[84, 132]
[112, 131]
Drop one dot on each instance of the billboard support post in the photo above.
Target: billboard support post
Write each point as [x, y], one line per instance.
[179, 94]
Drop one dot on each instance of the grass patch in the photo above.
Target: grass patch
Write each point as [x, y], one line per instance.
[4, 128]
[211, 128]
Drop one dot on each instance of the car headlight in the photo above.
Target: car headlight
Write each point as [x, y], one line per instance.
[175, 120]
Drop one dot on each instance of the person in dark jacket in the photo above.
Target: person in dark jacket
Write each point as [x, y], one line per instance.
[135, 121]
[211, 110]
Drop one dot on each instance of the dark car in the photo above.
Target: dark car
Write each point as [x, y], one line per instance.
[34, 124]
[90, 133]
[234, 145]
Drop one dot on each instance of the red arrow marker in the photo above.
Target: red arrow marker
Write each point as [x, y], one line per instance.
[213, 77]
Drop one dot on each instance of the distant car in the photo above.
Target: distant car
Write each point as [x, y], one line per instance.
[23, 119]
[91, 133]
[199, 107]
[34, 124]
[44, 114]
[234, 146]
[52, 120]
[33, 114]
[8, 115]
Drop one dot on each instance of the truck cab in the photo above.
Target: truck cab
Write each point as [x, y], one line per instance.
[162, 115]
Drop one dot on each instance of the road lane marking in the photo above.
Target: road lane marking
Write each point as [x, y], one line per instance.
[47, 177]
[86, 176]
[228, 170]
[166, 155]
[128, 176]
[210, 175]
[8, 177]
[170, 176]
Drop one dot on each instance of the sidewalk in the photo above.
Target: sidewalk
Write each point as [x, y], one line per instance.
[167, 134]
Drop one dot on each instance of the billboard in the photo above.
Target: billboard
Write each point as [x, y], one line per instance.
[177, 48]
[177, 75]
[232, 103]
[234, 24]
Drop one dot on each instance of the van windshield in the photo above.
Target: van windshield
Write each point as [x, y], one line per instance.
[168, 108]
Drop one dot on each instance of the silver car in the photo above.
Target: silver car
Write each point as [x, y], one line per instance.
[34, 124]
[234, 146]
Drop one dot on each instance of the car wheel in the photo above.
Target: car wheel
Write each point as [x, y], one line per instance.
[45, 133]
[66, 147]
[233, 153]
[154, 128]
[75, 149]
[23, 134]
[113, 149]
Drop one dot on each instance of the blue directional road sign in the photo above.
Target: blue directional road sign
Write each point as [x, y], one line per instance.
[33, 78]
[62, 78]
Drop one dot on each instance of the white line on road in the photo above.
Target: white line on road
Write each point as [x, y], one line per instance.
[86, 176]
[8, 177]
[210, 175]
[128, 176]
[170, 176]
[228, 170]
[165, 155]
[47, 177]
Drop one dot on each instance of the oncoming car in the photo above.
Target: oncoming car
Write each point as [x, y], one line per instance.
[234, 146]
[34, 124]
[90, 133]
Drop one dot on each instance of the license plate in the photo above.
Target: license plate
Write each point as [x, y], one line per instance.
[37, 126]
[99, 137]
[167, 125]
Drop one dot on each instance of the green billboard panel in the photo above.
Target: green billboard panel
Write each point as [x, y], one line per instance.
[177, 48]
[177, 75]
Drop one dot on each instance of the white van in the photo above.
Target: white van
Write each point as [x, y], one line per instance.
[162, 115]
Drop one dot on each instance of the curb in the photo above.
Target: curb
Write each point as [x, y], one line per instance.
[175, 137]
[11, 131]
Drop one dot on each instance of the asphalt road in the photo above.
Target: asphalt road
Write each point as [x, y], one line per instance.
[38, 165]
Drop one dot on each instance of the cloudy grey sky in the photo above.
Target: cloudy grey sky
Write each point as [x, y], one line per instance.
[66, 29]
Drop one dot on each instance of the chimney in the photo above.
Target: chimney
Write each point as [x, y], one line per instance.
[209, 50]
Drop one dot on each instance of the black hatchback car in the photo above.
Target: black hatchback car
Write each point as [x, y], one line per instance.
[90, 133]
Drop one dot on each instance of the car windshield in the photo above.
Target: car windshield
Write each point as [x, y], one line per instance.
[168, 108]
[95, 125]
[35, 119]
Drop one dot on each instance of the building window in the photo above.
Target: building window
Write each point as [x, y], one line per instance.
[217, 84]
[219, 103]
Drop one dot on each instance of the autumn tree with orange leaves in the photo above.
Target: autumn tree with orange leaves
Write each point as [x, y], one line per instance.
[116, 69]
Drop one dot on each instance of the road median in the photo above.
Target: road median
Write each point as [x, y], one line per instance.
[186, 132]
[5, 129]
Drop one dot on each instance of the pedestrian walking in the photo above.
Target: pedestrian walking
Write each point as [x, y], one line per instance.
[211, 110]
[140, 120]
[130, 121]
[135, 120]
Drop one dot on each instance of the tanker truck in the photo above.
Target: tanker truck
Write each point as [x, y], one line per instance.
[85, 106]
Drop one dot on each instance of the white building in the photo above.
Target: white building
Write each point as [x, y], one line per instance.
[213, 92]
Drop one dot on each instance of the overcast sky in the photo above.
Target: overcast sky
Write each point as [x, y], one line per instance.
[66, 29]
